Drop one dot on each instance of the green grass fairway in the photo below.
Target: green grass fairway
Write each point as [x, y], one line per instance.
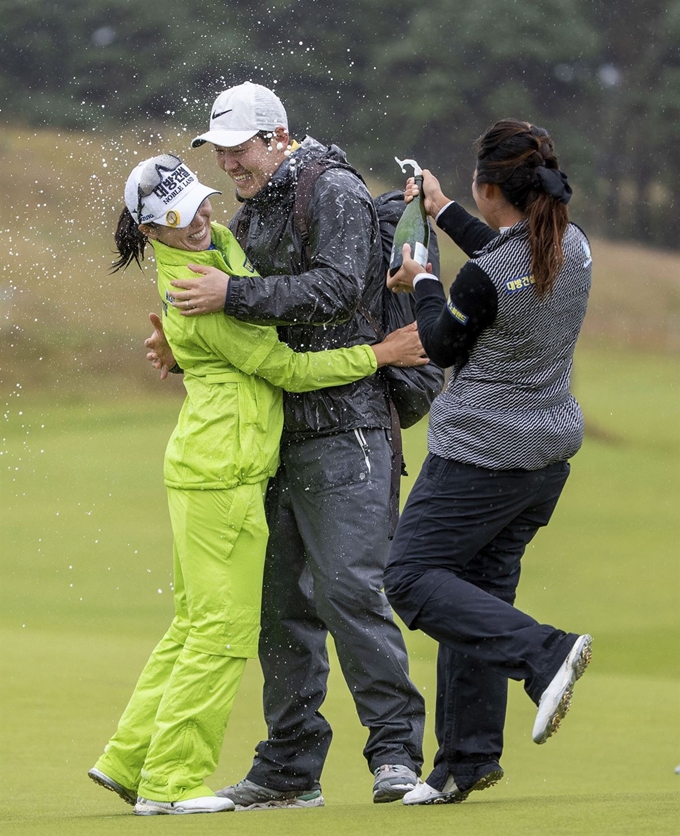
[86, 594]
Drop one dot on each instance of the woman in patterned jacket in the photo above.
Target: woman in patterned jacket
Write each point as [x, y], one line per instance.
[499, 440]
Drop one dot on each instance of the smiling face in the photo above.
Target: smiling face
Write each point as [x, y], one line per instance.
[195, 236]
[251, 164]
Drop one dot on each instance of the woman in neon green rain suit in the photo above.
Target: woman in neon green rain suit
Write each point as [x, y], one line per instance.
[217, 463]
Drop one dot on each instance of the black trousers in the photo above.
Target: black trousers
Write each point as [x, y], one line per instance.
[453, 573]
[328, 509]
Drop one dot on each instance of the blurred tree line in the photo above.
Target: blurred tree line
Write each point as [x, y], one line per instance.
[382, 78]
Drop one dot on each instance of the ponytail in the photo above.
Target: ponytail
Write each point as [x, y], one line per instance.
[130, 242]
[548, 221]
[520, 159]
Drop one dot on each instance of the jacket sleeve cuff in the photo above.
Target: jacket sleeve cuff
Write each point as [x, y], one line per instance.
[232, 299]
[424, 276]
[442, 210]
[373, 360]
[426, 290]
[268, 341]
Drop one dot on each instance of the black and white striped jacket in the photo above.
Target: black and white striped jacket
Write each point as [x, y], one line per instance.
[509, 406]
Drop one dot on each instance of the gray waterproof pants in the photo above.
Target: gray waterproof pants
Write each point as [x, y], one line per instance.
[328, 513]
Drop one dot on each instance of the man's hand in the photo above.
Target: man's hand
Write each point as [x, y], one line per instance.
[401, 348]
[160, 354]
[402, 280]
[206, 294]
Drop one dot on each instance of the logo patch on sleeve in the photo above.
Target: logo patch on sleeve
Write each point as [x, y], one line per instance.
[586, 251]
[248, 265]
[456, 313]
[521, 282]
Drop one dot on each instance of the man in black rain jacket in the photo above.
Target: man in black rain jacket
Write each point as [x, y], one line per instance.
[328, 507]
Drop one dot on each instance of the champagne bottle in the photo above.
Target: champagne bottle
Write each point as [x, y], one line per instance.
[413, 227]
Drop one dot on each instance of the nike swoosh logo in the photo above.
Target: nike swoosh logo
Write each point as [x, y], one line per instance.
[221, 113]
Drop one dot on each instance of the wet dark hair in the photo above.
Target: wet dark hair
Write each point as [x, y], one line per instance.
[520, 158]
[130, 242]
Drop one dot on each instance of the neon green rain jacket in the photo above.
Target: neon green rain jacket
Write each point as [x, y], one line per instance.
[230, 424]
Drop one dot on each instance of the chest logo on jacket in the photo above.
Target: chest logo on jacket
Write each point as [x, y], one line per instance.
[520, 283]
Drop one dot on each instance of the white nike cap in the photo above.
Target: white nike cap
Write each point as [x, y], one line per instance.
[241, 112]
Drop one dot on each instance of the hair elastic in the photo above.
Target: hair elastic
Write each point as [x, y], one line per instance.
[552, 181]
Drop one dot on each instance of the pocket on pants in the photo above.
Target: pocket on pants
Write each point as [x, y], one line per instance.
[339, 465]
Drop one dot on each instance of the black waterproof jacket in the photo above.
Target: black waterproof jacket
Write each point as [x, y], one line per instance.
[315, 305]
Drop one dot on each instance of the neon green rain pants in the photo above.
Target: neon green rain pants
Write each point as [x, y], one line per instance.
[170, 735]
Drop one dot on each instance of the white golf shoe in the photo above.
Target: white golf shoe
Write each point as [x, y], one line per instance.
[450, 794]
[129, 796]
[206, 804]
[556, 698]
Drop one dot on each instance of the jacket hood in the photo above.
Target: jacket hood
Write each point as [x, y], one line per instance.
[310, 149]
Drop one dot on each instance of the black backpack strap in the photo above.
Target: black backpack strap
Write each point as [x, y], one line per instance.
[307, 176]
[306, 180]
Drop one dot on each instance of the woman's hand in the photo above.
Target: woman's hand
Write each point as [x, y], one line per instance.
[402, 280]
[434, 198]
[203, 295]
[401, 348]
[160, 354]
